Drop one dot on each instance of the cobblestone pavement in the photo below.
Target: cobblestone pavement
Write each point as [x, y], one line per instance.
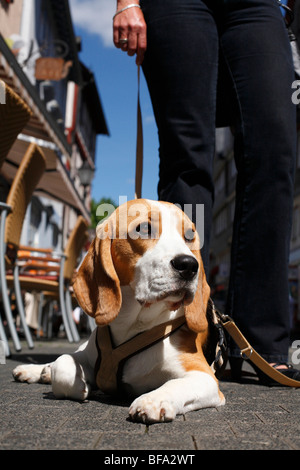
[255, 417]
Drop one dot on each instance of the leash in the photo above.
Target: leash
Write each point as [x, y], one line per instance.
[248, 352]
[139, 144]
[110, 359]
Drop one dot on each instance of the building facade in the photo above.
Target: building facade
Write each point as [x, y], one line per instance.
[39, 59]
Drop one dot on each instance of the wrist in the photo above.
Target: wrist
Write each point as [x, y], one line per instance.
[124, 3]
[125, 7]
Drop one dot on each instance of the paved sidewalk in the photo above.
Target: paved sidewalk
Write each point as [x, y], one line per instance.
[255, 417]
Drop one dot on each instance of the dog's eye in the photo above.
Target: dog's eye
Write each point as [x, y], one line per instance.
[189, 235]
[144, 229]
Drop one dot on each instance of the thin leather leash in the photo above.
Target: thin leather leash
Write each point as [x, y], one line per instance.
[111, 359]
[139, 145]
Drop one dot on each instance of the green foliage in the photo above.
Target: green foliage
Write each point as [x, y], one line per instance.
[98, 210]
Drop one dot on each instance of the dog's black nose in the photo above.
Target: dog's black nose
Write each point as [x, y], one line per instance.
[186, 265]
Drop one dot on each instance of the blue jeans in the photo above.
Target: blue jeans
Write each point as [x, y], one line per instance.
[185, 39]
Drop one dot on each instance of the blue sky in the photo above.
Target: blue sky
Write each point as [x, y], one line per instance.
[116, 77]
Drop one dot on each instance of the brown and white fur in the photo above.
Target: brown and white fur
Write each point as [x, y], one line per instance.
[128, 280]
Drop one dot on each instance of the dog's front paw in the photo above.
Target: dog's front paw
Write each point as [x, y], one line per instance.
[30, 373]
[68, 379]
[148, 409]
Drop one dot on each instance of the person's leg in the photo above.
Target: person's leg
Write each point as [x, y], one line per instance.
[180, 67]
[256, 46]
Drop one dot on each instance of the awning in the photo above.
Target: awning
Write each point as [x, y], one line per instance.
[55, 183]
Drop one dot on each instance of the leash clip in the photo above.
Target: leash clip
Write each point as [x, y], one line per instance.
[221, 317]
[246, 355]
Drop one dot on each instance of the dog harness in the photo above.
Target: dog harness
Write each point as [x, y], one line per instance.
[110, 362]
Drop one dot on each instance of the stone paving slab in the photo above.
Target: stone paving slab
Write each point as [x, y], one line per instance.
[255, 417]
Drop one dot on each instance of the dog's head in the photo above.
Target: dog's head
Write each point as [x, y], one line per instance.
[154, 248]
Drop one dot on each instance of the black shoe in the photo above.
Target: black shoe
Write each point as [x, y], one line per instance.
[236, 364]
[236, 371]
[289, 372]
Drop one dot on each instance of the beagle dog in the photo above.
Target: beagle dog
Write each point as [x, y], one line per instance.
[143, 271]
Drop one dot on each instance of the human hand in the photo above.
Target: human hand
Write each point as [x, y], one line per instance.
[130, 24]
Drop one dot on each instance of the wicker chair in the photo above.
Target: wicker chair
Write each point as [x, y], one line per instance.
[26, 179]
[14, 115]
[42, 271]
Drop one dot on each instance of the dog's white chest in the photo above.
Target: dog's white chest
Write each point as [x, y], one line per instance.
[151, 368]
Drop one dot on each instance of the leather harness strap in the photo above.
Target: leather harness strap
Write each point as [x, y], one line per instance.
[110, 358]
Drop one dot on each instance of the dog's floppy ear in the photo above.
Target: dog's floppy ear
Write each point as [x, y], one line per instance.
[195, 312]
[97, 286]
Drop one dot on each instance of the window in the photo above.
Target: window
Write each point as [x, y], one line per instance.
[87, 129]
[47, 40]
